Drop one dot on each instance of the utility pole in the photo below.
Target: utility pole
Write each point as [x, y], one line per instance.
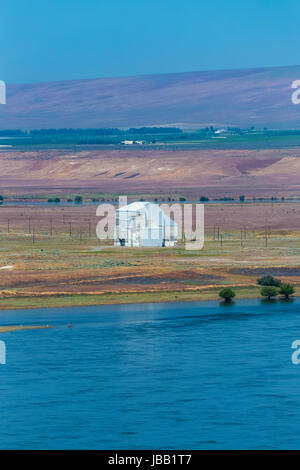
[29, 224]
[8, 227]
[51, 231]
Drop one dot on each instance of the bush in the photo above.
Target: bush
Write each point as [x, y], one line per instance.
[78, 200]
[269, 291]
[269, 281]
[227, 294]
[286, 290]
[204, 199]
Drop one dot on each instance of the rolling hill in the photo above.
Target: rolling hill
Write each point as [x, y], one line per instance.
[248, 97]
[215, 173]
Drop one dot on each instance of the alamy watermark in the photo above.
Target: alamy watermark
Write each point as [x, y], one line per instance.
[296, 94]
[296, 354]
[2, 92]
[2, 352]
[147, 224]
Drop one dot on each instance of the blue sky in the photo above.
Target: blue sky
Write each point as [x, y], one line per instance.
[46, 40]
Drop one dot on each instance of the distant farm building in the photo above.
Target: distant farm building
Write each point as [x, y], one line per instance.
[132, 142]
[144, 224]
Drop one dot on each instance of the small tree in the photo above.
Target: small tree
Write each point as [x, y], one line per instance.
[78, 200]
[269, 291]
[286, 290]
[269, 281]
[227, 294]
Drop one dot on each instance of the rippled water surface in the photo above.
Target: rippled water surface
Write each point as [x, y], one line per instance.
[173, 376]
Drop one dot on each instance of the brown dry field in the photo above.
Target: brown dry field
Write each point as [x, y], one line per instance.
[51, 256]
[215, 173]
[46, 270]
[276, 216]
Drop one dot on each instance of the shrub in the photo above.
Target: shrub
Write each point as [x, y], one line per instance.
[269, 281]
[227, 294]
[269, 291]
[78, 199]
[286, 290]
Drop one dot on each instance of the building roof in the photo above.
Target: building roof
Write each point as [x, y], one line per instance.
[138, 206]
[134, 206]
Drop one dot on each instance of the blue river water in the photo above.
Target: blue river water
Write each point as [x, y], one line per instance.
[154, 376]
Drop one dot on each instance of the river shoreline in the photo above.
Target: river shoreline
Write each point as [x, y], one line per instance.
[85, 300]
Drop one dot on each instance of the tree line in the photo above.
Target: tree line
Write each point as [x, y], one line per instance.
[102, 131]
[270, 288]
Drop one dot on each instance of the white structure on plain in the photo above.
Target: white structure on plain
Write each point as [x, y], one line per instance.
[144, 224]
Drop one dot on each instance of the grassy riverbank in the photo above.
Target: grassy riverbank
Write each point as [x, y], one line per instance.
[126, 298]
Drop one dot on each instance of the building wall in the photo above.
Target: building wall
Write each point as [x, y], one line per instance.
[148, 227]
